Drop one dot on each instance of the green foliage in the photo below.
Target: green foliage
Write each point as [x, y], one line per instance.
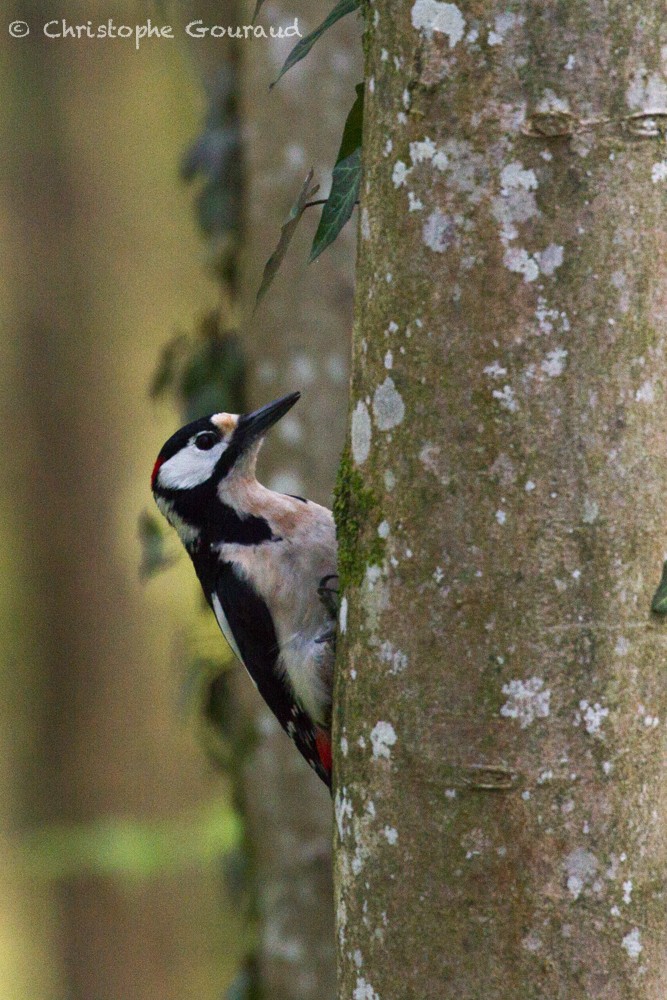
[304, 45]
[215, 157]
[346, 176]
[245, 985]
[354, 123]
[229, 737]
[258, 7]
[345, 181]
[205, 373]
[343, 196]
[355, 508]
[286, 233]
[152, 539]
[130, 848]
[659, 602]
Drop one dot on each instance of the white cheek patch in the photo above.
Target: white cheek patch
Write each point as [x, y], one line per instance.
[190, 467]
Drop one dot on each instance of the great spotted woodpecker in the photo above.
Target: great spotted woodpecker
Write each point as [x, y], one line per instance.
[266, 563]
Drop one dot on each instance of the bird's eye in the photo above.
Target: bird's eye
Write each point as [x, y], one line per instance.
[206, 440]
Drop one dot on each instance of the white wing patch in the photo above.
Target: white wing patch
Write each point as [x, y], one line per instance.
[221, 619]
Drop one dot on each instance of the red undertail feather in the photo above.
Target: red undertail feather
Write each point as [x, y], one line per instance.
[323, 744]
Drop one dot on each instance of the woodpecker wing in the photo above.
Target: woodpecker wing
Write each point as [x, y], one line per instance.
[246, 623]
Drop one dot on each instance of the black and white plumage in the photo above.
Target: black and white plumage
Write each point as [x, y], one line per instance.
[265, 562]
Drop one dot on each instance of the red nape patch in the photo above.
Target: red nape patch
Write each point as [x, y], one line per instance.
[156, 469]
[323, 744]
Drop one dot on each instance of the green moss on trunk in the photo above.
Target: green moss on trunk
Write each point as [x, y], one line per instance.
[355, 508]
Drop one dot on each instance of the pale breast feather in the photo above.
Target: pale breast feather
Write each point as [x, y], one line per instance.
[246, 623]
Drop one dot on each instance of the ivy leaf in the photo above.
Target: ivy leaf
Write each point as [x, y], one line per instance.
[154, 558]
[212, 376]
[338, 209]
[165, 374]
[258, 7]
[345, 180]
[659, 602]
[353, 125]
[286, 233]
[304, 45]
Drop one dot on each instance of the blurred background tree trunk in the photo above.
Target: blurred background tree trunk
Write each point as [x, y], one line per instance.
[30, 960]
[102, 263]
[298, 339]
[501, 687]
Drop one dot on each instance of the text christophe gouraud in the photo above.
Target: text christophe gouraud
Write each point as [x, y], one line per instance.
[61, 28]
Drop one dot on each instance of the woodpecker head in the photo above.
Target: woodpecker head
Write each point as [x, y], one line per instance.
[200, 462]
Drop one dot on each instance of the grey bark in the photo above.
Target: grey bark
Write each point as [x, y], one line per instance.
[298, 339]
[500, 749]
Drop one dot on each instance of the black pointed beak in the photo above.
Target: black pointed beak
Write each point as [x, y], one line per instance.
[253, 425]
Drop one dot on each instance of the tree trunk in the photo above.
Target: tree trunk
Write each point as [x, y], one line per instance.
[501, 692]
[297, 339]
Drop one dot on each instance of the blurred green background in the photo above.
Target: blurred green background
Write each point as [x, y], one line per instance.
[113, 821]
[116, 824]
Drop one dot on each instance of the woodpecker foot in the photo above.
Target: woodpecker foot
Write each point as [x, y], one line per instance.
[328, 596]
